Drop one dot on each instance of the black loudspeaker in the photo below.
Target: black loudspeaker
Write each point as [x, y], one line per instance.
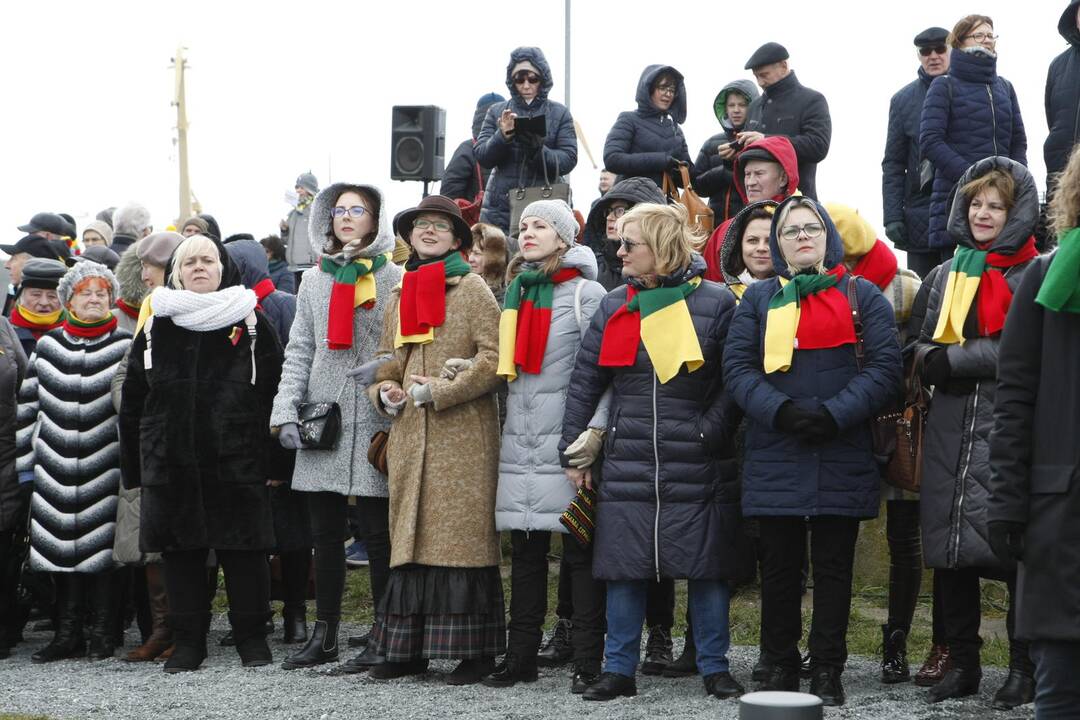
[417, 142]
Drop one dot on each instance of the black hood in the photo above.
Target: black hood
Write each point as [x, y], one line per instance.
[230, 274]
[1067, 24]
[215, 229]
[633, 190]
[535, 56]
[731, 248]
[250, 259]
[644, 88]
[1023, 216]
[834, 245]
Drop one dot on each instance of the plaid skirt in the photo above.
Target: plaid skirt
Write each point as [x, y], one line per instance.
[441, 613]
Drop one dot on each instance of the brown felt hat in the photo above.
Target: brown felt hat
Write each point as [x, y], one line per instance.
[440, 204]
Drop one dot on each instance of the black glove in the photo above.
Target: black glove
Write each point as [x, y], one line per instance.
[897, 233]
[822, 429]
[674, 164]
[936, 368]
[1007, 541]
[793, 419]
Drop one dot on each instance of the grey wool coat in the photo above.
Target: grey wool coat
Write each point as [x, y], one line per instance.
[533, 489]
[315, 373]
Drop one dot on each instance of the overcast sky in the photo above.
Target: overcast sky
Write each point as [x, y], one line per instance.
[276, 89]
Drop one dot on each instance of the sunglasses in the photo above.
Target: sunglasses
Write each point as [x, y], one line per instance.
[524, 76]
[939, 49]
[355, 211]
[629, 245]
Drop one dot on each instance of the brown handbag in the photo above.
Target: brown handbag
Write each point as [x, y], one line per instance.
[380, 441]
[699, 212]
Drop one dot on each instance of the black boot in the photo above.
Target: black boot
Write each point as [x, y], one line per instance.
[68, 640]
[610, 686]
[470, 672]
[189, 641]
[392, 670]
[825, 683]
[512, 670]
[294, 616]
[723, 686]
[558, 650]
[360, 640]
[1019, 689]
[584, 678]
[363, 662]
[779, 678]
[762, 669]
[321, 647]
[957, 683]
[894, 663]
[104, 595]
[658, 651]
[686, 664]
[249, 629]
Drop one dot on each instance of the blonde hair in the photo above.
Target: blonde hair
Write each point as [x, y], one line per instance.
[996, 179]
[189, 248]
[778, 225]
[1064, 210]
[666, 231]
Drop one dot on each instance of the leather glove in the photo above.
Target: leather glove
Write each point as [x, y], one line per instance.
[421, 394]
[583, 452]
[897, 233]
[936, 369]
[289, 436]
[1007, 541]
[453, 366]
[673, 166]
[822, 429]
[364, 374]
[793, 419]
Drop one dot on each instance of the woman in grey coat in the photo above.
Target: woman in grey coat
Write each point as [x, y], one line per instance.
[332, 335]
[533, 488]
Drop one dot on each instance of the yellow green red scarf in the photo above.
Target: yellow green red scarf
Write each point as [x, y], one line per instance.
[808, 312]
[660, 319]
[354, 286]
[37, 323]
[526, 320]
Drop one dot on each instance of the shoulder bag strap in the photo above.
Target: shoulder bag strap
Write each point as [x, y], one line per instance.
[856, 319]
[577, 302]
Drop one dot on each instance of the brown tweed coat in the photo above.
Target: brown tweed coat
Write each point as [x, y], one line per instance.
[443, 457]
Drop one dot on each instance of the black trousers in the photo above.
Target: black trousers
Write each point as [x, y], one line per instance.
[832, 555]
[659, 598]
[329, 529]
[247, 581]
[905, 560]
[528, 598]
[962, 614]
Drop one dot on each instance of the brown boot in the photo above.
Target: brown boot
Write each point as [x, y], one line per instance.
[161, 636]
[938, 662]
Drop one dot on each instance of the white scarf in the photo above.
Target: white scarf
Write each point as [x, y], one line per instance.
[204, 311]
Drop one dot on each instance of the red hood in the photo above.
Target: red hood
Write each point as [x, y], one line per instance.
[711, 252]
[780, 148]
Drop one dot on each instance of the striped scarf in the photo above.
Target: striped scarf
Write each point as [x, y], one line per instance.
[526, 321]
[38, 324]
[84, 329]
[423, 297]
[808, 312]
[660, 319]
[975, 275]
[354, 286]
[1060, 289]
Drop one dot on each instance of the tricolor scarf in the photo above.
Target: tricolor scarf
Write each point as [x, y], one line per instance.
[84, 329]
[660, 319]
[808, 312]
[423, 296]
[879, 266]
[976, 274]
[354, 285]
[1060, 289]
[37, 324]
[123, 307]
[526, 320]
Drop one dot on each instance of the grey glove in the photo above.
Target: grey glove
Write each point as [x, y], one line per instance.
[453, 366]
[289, 436]
[421, 394]
[583, 452]
[364, 374]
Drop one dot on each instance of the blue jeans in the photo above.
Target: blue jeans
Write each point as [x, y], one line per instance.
[1057, 694]
[708, 600]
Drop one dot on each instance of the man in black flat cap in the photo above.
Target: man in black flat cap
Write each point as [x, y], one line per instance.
[904, 171]
[31, 246]
[786, 107]
[48, 225]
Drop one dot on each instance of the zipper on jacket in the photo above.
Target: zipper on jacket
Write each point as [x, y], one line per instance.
[993, 116]
[656, 481]
[959, 512]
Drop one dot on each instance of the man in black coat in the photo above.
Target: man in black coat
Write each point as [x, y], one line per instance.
[786, 107]
[463, 178]
[907, 205]
[1063, 95]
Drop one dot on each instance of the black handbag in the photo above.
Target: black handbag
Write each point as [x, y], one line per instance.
[319, 424]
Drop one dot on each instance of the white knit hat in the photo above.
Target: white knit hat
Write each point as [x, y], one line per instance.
[81, 271]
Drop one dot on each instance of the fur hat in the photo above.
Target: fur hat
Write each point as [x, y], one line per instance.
[81, 272]
[158, 247]
[557, 214]
[129, 274]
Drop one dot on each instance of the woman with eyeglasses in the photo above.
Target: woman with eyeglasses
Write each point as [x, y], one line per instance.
[647, 142]
[969, 114]
[333, 338]
[519, 157]
[793, 364]
[444, 598]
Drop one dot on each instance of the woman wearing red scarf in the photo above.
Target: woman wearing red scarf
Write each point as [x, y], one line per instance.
[967, 299]
[444, 598]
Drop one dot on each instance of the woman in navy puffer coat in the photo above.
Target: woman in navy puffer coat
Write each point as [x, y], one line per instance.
[648, 141]
[519, 159]
[969, 114]
[808, 444]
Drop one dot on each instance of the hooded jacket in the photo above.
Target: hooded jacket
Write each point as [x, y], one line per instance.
[731, 262]
[1063, 96]
[782, 475]
[515, 162]
[956, 468]
[969, 114]
[668, 500]
[279, 307]
[790, 109]
[713, 176]
[634, 191]
[901, 197]
[533, 491]
[314, 373]
[641, 143]
[784, 153]
[461, 180]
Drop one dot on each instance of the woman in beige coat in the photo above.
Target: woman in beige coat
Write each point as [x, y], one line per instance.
[444, 599]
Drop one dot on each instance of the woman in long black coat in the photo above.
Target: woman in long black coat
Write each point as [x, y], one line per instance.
[194, 430]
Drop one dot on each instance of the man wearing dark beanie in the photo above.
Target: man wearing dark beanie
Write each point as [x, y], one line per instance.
[37, 306]
[904, 172]
[786, 107]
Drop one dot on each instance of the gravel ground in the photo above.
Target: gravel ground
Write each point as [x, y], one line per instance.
[222, 689]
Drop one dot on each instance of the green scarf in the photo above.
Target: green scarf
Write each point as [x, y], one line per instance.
[1060, 289]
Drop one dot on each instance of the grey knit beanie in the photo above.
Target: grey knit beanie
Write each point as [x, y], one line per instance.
[308, 182]
[558, 214]
[82, 271]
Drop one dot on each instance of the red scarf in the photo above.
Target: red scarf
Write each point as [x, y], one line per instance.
[423, 299]
[36, 329]
[825, 318]
[994, 296]
[78, 328]
[123, 307]
[263, 288]
[879, 266]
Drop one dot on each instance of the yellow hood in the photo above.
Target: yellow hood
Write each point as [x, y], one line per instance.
[857, 234]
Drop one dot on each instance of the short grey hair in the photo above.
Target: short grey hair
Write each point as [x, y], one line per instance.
[132, 219]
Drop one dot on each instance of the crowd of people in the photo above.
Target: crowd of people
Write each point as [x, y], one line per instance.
[675, 404]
